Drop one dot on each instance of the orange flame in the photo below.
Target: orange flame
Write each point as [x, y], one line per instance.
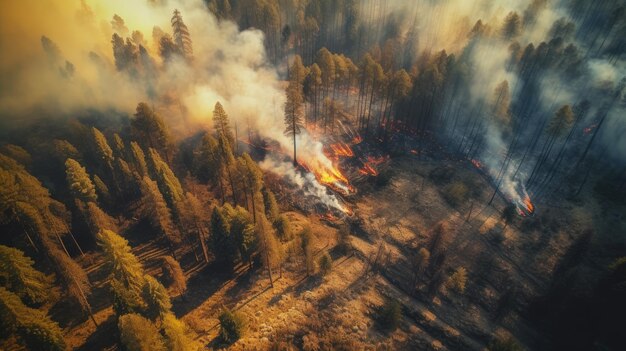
[477, 163]
[330, 177]
[342, 149]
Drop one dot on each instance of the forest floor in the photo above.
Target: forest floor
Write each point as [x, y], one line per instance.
[507, 267]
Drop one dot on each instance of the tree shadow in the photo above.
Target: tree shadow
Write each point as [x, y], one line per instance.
[104, 338]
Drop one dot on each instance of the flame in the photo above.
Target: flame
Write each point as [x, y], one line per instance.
[342, 150]
[369, 165]
[329, 176]
[477, 164]
[357, 139]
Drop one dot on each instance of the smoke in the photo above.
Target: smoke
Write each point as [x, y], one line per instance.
[73, 69]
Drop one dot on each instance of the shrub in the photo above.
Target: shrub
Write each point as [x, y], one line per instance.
[231, 326]
[390, 315]
[325, 263]
[343, 241]
[173, 274]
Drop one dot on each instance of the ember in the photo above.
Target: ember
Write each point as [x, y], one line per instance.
[342, 150]
[477, 164]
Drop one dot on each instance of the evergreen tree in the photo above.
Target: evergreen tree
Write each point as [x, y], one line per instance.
[155, 209]
[79, 183]
[178, 337]
[103, 152]
[138, 159]
[33, 327]
[271, 206]
[149, 129]
[181, 36]
[123, 264]
[156, 297]
[102, 190]
[325, 263]
[222, 244]
[232, 326]
[243, 233]
[139, 334]
[293, 115]
[18, 275]
[458, 279]
[173, 274]
[221, 123]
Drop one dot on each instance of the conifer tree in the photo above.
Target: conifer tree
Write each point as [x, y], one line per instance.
[173, 273]
[138, 159]
[123, 264]
[156, 297]
[271, 206]
[221, 123]
[181, 36]
[102, 190]
[79, 183]
[149, 129]
[294, 115]
[155, 209]
[243, 233]
[19, 275]
[177, 335]
[139, 334]
[34, 328]
[103, 152]
[222, 244]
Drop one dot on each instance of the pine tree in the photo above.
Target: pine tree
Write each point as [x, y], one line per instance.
[232, 326]
[79, 183]
[458, 279]
[169, 185]
[181, 36]
[36, 331]
[325, 263]
[156, 297]
[139, 334]
[178, 337]
[123, 264]
[271, 206]
[18, 275]
[512, 26]
[221, 123]
[103, 152]
[102, 190]
[242, 232]
[155, 209]
[173, 274]
[293, 115]
[222, 244]
[138, 159]
[149, 129]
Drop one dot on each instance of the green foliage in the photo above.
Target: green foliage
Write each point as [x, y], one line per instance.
[283, 228]
[390, 315]
[232, 326]
[504, 344]
[222, 244]
[242, 232]
[325, 263]
[33, 327]
[18, 275]
[123, 264]
[156, 298]
[139, 334]
[78, 182]
[177, 335]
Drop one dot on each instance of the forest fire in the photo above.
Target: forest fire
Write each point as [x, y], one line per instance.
[342, 150]
[525, 207]
[330, 177]
[477, 164]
